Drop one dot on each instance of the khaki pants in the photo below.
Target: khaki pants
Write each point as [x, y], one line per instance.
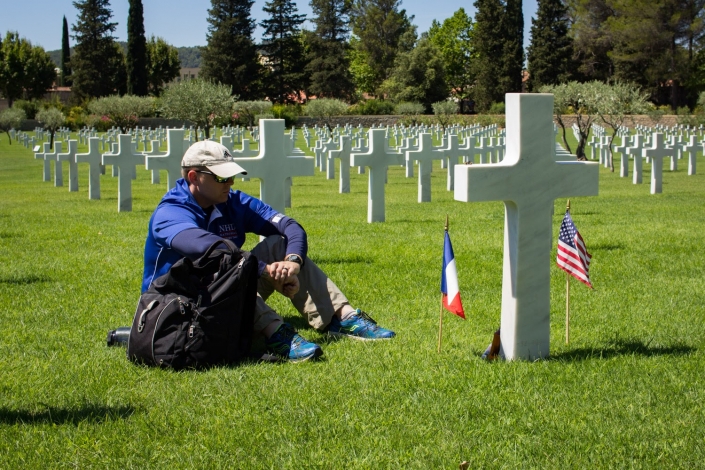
[317, 300]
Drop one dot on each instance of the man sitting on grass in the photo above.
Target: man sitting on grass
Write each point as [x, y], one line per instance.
[203, 209]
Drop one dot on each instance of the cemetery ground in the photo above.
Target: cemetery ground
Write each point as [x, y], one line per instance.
[628, 391]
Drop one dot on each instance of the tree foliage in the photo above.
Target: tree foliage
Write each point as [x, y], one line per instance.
[52, 119]
[11, 118]
[283, 51]
[137, 61]
[550, 54]
[512, 58]
[230, 57]
[199, 101]
[489, 42]
[163, 64]
[26, 71]
[418, 75]
[454, 40]
[65, 77]
[98, 63]
[249, 110]
[380, 25]
[123, 111]
[444, 110]
[325, 108]
[327, 54]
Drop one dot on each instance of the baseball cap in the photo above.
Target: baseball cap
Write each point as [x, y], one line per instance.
[213, 156]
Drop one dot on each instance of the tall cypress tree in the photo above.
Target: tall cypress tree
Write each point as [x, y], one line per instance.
[550, 55]
[328, 65]
[95, 62]
[513, 57]
[137, 83]
[490, 48]
[65, 78]
[230, 56]
[283, 50]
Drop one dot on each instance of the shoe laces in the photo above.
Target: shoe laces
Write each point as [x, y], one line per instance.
[368, 320]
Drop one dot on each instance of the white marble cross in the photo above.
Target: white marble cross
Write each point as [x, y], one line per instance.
[58, 167]
[272, 165]
[657, 153]
[377, 159]
[451, 152]
[624, 160]
[343, 154]
[46, 168]
[95, 161]
[171, 161]
[126, 161]
[528, 180]
[691, 148]
[425, 156]
[70, 156]
[635, 151]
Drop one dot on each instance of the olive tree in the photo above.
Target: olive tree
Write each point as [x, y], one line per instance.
[251, 109]
[410, 109]
[123, 111]
[52, 119]
[444, 110]
[325, 108]
[199, 101]
[617, 103]
[11, 118]
[580, 99]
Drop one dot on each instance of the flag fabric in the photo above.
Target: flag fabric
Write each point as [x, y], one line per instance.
[573, 256]
[449, 281]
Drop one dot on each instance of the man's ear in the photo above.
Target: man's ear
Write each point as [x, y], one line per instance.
[191, 176]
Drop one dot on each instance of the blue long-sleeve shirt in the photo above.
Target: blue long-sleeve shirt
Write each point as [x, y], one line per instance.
[180, 227]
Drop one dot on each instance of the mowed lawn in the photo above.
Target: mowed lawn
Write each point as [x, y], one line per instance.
[627, 392]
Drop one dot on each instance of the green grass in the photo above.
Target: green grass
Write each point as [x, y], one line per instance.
[627, 392]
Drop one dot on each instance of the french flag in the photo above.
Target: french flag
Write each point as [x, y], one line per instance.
[449, 281]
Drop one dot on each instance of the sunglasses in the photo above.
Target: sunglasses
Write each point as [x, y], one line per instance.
[217, 178]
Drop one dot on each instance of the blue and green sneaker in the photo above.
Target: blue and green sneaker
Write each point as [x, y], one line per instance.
[287, 344]
[359, 325]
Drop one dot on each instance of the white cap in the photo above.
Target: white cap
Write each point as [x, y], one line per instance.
[213, 156]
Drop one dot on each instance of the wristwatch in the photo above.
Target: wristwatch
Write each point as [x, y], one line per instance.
[295, 259]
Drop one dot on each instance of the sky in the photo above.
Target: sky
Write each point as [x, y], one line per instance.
[182, 23]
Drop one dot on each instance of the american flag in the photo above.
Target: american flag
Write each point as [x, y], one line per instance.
[572, 254]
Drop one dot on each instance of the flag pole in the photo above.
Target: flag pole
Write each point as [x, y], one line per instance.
[440, 318]
[567, 295]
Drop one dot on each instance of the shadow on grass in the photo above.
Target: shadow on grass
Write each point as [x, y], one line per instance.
[623, 347]
[55, 415]
[342, 259]
[606, 247]
[22, 280]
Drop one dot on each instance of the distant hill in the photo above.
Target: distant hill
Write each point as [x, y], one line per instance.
[190, 57]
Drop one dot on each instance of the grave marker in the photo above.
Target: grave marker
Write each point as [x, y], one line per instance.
[70, 156]
[377, 159]
[528, 180]
[657, 153]
[126, 161]
[171, 160]
[272, 166]
[95, 168]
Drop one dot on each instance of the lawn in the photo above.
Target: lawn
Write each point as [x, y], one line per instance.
[627, 392]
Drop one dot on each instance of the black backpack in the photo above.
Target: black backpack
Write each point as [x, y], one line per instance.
[200, 313]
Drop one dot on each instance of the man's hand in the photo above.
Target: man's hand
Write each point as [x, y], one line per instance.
[283, 277]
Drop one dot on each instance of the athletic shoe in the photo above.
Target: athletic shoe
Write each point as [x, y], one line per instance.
[287, 344]
[359, 325]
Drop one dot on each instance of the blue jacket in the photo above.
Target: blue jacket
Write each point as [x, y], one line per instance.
[241, 214]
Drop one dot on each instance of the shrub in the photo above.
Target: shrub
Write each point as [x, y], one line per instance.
[288, 112]
[30, 108]
[496, 108]
[11, 118]
[249, 110]
[123, 111]
[372, 108]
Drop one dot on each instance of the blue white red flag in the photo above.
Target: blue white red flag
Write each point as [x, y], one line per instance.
[449, 281]
[573, 256]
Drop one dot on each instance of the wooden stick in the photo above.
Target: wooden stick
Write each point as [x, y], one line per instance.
[440, 319]
[440, 326]
[567, 308]
[567, 296]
